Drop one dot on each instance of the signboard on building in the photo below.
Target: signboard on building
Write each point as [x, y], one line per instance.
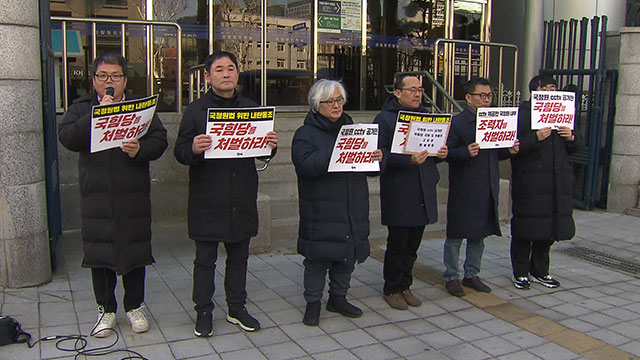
[339, 16]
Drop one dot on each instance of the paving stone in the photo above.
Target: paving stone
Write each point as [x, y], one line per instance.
[520, 355]
[609, 337]
[553, 351]
[252, 354]
[524, 339]
[417, 327]
[447, 321]
[338, 354]
[439, 340]
[267, 336]
[466, 351]
[496, 346]
[407, 346]
[191, 348]
[354, 338]
[230, 342]
[386, 332]
[374, 352]
[497, 327]
[300, 330]
[318, 344]
[283, 351]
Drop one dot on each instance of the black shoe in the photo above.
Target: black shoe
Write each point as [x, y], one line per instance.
[312, 314]
[476, 283]
[522, 282]
[242, 318]
[546, 280]
[339, 304]
[454, 287]
[204, 324]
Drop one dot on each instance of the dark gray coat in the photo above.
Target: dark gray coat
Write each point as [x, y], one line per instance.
[472, 208]
[222, 192]
[542, 188]
[334, 207]
[114, 190]
[407, 192]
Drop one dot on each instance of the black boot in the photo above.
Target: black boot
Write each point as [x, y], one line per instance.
[312, 314]
[340, 305]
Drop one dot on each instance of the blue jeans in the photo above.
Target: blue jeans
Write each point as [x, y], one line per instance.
[451, 256]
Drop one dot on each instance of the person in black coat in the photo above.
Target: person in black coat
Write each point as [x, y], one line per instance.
[222, 199]
[115, 203]
[542, 193]
[474, 179]
[407, 194]
[334, 206]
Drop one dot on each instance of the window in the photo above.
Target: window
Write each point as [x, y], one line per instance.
[300, 49]
[281, 47]
[280, 63]
[301, 64]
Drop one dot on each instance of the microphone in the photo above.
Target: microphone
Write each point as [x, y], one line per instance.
[110, 91]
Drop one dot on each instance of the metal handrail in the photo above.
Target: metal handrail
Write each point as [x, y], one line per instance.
[448, 78]
[197, 86]
[123, 22]
[436, 87]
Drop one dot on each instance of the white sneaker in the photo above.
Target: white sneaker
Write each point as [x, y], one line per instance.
[106, 322]
[138, 320]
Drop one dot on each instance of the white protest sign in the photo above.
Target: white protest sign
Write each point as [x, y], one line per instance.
[552, 109]
[429, 132]
[239, 132]
[496, 127]
[113, 124]
[354, 148]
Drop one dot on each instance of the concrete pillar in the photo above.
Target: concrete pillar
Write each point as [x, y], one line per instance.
[24, 240]
[532, 50]
[625, 160]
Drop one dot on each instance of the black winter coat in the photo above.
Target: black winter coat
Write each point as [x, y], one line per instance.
[114, 190]
[407, 192]
[222, 192]
[334, 207]
[542, 189]
[472, 208]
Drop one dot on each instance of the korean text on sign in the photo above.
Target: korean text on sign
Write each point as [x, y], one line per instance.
[239, 132]
[552, 109]
[113, 124]
[405, 118]
[354, 149]
[496, 127]
[429, 132]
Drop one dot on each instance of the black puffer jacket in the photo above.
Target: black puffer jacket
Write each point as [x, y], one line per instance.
[542, 189]
[334, 207]
[472, 208]
[114, 190]
[222, 192]
[407, 191]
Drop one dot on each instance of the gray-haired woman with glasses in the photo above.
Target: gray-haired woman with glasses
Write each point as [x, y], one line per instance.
[334, 206]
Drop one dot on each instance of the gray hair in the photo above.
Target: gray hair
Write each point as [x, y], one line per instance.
[323, 90]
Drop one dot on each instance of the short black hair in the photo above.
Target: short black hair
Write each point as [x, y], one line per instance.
[470, 86]
[219, 55]
[109, 58]
[541, 80]
[397, 84]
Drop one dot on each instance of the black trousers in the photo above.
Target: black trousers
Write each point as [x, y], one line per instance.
[401, 254]
[315, 275]
[235, 274]
[530, 257]
[104, 285]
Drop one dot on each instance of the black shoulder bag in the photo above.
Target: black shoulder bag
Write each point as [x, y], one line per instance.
[11, 331]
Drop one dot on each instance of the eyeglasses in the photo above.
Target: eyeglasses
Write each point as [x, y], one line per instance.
[413, 90]
[103, 77]
[331, 102]
[483, 96]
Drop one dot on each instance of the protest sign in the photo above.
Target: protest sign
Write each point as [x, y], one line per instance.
[354, 148]
[239, 132]
[552, 109]
[113, 124]
[402, 127]
[428, 132]
[496, 127]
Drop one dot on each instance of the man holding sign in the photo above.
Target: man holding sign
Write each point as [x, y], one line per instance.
[222, 198]
[474, 176]
[407, 194]
[334, 206]
[542, 193]
[114, 188]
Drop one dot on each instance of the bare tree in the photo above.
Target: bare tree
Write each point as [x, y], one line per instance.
[239, 14]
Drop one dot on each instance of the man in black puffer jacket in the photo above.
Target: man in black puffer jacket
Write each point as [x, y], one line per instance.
[114, 189]
[222, 199]
[407, 194]
[334, 206]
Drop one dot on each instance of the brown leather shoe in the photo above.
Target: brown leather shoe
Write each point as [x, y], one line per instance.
[475, 283]
[396, 301]
[454, 287]
[411, 299]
